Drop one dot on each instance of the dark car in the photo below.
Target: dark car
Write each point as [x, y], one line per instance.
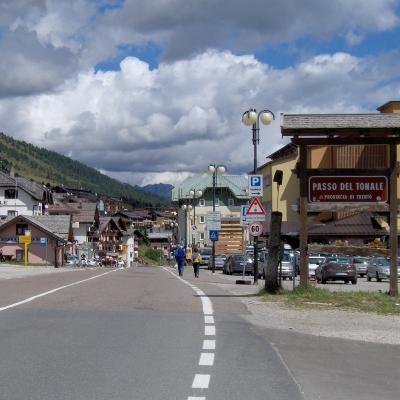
[219, 261]
[336, 269]
[235, 264]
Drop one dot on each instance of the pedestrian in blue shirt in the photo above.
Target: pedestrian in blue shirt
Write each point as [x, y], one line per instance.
[180, 259]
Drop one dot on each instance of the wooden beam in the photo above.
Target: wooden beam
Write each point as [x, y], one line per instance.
[348, 172]
[394, 289]
[344, 132]
[340, 207]
[332, 141]
[303, 231]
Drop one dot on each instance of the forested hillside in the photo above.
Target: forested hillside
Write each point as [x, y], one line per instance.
[47, 166]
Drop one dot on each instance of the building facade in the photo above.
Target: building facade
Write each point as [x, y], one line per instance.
[231, 192]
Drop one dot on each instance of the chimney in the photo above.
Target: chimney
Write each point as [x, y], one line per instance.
[392, 106]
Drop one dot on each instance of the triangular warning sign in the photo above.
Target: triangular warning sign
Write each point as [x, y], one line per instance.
[255, 207]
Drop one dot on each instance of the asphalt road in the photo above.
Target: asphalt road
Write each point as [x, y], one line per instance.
[143, 334]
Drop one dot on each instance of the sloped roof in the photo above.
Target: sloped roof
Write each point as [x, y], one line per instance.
[6, 180]
[236, 183]
[362, 224]
[105, 221]
[35, 222]
[35, 189]
[60, 224]
[290, 122]
[84, 212]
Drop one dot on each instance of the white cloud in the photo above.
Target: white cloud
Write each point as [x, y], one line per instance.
[146, 125]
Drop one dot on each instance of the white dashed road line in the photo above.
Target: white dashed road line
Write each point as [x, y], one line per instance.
[202, 381]
[206, 359]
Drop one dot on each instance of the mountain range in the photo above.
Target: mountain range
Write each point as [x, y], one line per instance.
[160, 189]
[48, 167]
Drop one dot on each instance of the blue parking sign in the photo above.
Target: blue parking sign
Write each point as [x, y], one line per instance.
[255, 185]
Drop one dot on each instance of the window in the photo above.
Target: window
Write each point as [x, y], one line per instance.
[21, 228]
[231, 202]
[12, 213]
[11, 194]
[201, 236]
[202, 202]
[202, 219]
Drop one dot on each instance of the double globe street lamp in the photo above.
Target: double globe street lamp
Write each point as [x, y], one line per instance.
[186, 208]
[194, 194]
[252, 118]
[214, 170]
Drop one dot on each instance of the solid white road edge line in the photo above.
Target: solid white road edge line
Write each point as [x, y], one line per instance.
[53, 291]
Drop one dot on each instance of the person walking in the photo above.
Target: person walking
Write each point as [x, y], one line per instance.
[196, 260]
[180, 259]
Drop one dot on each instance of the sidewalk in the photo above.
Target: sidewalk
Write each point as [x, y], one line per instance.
[11, 271]
[325, 323]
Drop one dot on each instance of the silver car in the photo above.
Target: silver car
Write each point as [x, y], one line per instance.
[219, 261]
[379, 268]
[361, 264]
[286, 269]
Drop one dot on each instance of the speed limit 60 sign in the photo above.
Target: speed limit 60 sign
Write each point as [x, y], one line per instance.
[256, 229]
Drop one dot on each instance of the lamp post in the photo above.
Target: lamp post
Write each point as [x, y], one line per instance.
[214, 170]
[195, 194]
[251, 117]
[185, 208]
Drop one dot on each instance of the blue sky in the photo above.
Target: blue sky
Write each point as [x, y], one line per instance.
[153, 91]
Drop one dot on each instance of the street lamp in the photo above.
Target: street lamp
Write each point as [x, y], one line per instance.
[251, 117]
[185, 208]
[214, 170]
[194, 193]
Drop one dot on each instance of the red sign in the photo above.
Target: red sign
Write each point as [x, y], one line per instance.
[347, 189]
[256, 228]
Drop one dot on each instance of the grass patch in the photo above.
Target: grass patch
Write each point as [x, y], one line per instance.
[151, 256]
[317, 298]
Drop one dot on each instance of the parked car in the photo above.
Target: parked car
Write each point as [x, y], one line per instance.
[287, 267]
[336, 269]
[72, 260]
[92, 262]
[219, 261]
[235, 264]
[205, 253]
[379, 268]
[361, 264]
[313, 263]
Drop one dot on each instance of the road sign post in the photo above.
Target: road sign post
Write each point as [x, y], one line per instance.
[255, 185]
[256, 229]
[214, 235]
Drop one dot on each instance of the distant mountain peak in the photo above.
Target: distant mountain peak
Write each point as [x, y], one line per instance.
[161, 189]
